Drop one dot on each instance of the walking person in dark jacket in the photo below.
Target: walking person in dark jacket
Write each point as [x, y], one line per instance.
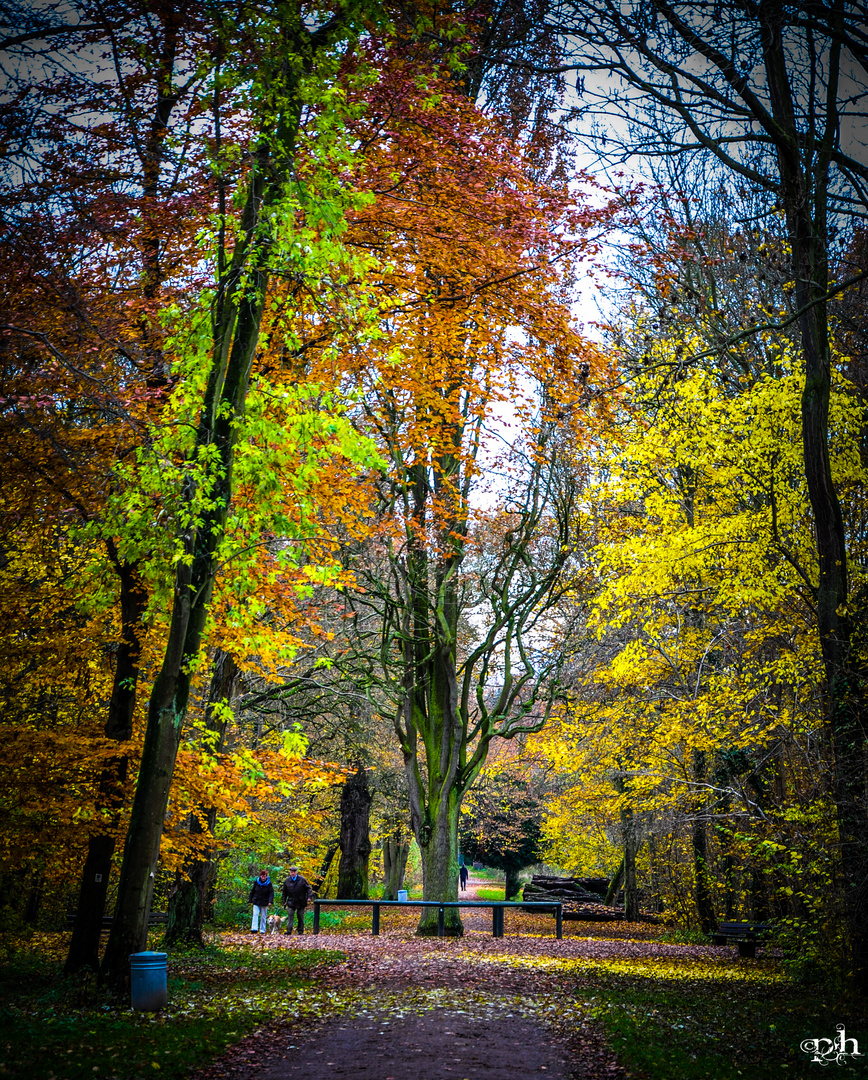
[261, 895]
[462, 874]
[296, 894]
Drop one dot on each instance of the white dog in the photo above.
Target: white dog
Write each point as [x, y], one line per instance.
[276, 923]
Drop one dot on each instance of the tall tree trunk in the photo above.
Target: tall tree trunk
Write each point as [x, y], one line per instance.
[628, 862]
[325, 866]
[631, 895]
[615, 884]
[237, 309]
[844, 682]
[235, 331]
[189, 899]
[440, 866]
[84, 945]
[34, 902]
[396, 849]
[704, 906]
[653, 876]
[699, 840]
[188, 903]
[510, 886]
[729, 880]
[355, 840]
[166, 714]
[804, 183]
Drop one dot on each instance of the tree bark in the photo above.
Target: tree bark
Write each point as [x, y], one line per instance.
[235, 331]
[188, 903]
[355, 842]
[699, 842]
[325, 866]
[33, 904]
[631, 895]
[614, 884]
[396, 849]
[189, 899]
[431, 709]
[440, 866]
[85, 941]
[702, 890]
[510, 886]
[804, 197]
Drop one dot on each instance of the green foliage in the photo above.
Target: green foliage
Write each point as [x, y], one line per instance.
[500, 822]
[235, 874]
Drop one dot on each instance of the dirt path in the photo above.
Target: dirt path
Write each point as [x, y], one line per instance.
[405, 1008]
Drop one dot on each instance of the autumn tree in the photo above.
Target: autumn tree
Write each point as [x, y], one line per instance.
[691, 274]
[501, 818]
[97, 232]
[462, 269]
[272, 224]
[243, 97]
[707, 708]
[772, 93]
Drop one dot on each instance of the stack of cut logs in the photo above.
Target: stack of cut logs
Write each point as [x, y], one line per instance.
[582, 898]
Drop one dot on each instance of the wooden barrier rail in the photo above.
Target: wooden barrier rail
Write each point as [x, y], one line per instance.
[497, 909]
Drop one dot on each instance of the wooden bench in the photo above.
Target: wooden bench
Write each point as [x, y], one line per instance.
[156, 918]
[743, 934]
[497, 910]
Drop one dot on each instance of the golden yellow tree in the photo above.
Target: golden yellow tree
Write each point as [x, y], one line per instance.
[708, 704]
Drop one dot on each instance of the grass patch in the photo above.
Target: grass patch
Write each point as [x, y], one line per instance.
[666, 1031]
[701, 1017]
[490, 894]
[487, 873]
[68, 1029]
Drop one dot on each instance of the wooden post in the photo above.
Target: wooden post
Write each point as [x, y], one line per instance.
[375, 928]
[316, 916]
[559, 921]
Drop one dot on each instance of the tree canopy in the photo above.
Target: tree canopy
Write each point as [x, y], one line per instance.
[313, 486]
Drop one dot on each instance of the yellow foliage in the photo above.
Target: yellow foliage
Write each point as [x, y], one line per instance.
[707, 704]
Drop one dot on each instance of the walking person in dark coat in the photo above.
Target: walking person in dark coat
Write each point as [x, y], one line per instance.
[462, 874]
[296, 894]
[261, 895]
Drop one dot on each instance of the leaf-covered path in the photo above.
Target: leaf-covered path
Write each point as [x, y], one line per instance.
[474, 1008]
[345, 1003]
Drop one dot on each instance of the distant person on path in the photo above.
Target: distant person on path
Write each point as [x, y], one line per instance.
[261, 895]
[296, 894]
[462, 874]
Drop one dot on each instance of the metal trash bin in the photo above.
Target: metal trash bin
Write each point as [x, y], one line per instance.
[148, 991]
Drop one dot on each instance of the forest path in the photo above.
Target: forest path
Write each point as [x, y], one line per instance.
[400, 1007]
